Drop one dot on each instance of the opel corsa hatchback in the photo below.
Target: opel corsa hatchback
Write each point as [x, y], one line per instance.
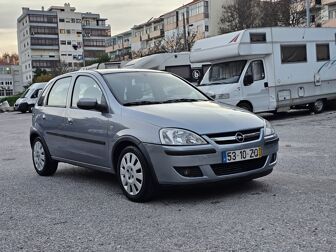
[150, 128]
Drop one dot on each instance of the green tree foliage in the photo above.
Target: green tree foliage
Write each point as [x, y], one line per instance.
[244, 14]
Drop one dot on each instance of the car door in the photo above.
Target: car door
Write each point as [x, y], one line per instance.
[87, 130]
[255, 86]
[50, 116]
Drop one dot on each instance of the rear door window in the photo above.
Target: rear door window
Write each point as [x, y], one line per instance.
[58, 94]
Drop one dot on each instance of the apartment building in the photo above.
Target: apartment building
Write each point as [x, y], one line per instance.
[59, 34]
[146, 36]
[198, 19]
[118, 47]
[10, 80]
[329, 13]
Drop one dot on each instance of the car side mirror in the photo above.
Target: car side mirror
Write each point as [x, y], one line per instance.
[248, 80]
[91, 104]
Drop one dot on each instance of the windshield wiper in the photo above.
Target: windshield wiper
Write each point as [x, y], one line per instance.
[138, 103]
[183, 100]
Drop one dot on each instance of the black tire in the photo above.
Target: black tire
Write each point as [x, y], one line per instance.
[318, 106]
[49, 166]
[30, 108]
[148, 188]
[246, 106]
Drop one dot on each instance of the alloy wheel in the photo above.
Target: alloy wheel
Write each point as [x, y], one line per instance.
[131, 173]
[39, 156]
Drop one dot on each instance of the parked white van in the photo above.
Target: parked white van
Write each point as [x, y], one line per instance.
[176, 63]
[28, 99]
[270, 69]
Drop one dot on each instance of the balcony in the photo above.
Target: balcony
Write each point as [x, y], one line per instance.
[330, 23]
[328, 2]
[94, 26]
[156, 34]
[136, 39]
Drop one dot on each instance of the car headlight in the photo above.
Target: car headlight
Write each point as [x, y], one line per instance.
[269, 130]
[171, 136]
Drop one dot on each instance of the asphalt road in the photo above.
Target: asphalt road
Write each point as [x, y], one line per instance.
[293, 209]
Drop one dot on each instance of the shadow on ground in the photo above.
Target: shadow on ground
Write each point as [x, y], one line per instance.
[216, 192]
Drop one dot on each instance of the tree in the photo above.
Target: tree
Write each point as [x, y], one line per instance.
[104, 57]
[244, 14]
[8, 58]
[240, 15]
[60, 69]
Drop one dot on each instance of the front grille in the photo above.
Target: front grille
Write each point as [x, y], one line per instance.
[238, 167]
[231, 137]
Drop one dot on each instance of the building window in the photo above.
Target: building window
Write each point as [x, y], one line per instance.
[68, 31]
[68, 42]
[63, 42]
[293, 53]
[78, 20]
[34, 30]
[62, 31]
[61, 20]
[332, 14]
[322, 52]
[73, 20]
[207, 28]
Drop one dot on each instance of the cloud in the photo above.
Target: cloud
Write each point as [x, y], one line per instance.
[121, 14]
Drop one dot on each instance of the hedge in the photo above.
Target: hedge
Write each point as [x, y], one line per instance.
[11, 99]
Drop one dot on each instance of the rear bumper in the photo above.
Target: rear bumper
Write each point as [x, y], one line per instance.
[205, 163]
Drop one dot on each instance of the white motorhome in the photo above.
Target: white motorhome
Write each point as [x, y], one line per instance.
[177, 63]
[105, 65]
[270, 69]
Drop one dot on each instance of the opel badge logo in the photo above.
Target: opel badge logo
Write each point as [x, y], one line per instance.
[240, 137]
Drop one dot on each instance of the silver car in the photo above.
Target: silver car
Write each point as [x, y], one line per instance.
[150, 128]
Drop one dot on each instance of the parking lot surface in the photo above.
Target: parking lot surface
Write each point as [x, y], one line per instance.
[293, 209]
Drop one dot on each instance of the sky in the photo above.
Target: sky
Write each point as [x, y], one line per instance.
[121, 14]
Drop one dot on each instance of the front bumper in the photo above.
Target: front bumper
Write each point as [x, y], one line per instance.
[167, 160]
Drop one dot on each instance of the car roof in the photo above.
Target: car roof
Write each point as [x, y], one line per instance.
[120, 70]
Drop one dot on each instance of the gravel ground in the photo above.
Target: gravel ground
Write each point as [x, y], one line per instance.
[293, 209]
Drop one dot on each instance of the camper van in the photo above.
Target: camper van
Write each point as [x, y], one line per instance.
[270, 69]
[105, 65]
[177, 63]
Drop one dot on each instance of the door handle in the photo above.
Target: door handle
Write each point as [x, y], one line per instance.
[70, 121]
[43, 117]
[266, 84]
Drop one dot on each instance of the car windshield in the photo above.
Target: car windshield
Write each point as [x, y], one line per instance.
[25, 93]
[226, 73]
[145, 88]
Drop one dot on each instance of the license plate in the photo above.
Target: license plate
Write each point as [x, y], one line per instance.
[240, 155]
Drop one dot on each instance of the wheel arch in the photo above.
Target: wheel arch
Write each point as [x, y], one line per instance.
[245, 102]
[122, 143]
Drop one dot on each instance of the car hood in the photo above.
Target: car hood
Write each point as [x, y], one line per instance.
[200, 117]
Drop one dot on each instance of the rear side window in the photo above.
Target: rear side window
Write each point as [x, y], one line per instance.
[293, 53]
[322, 52]
[58, 93]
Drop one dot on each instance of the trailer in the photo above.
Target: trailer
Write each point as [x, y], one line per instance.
[270, 69]
[177, 63]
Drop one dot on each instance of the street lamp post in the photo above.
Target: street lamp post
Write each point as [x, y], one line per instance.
[308, 12]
